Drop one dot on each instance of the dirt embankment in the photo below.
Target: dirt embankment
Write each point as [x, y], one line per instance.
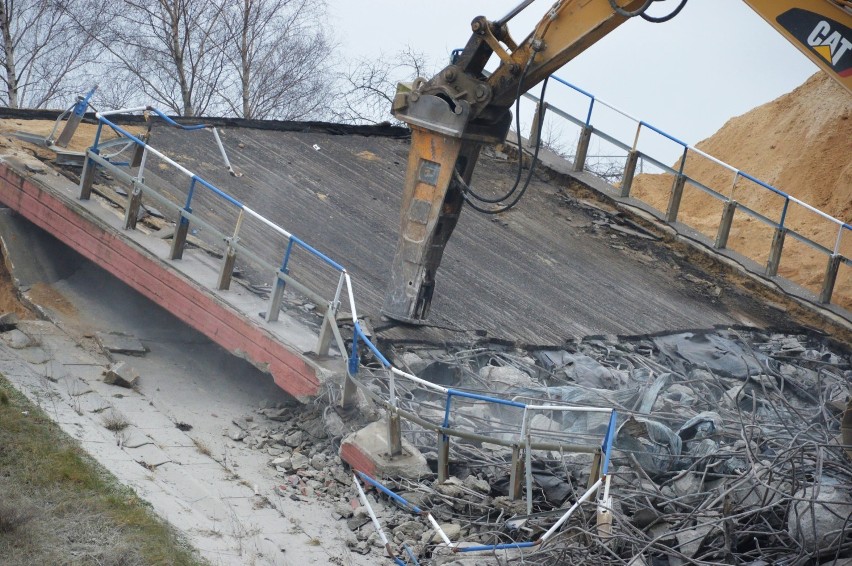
[82, 140]
[800, 143]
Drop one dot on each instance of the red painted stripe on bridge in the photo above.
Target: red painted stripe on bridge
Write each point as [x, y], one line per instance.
[157, 281]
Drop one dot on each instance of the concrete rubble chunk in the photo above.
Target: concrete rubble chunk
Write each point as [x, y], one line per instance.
[16, 339]
[122, 375]
[413, 362]
[120, 344]
[452, 487]
[299, 461]
[409, 530]
[452, 530]
[237, 434]
[505, 378]
[278, 414]
[476, 484]
[819, 516]
[314, 428]
[343, 510]
[294, 439]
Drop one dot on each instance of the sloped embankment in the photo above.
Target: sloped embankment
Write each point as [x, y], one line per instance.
[801, 143]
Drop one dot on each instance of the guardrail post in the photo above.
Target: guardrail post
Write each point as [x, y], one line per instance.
[595, 473]
[394, 434]
[674, 200]
[326, 333]
[582, 148]
[136, 158]
[443, 457]
[830, 278]
[179, 239]
[350, 390]
[528, 468]
[629, 171]
[538, 118]
[134, 201]
[516, 474]
[775, 252]
[276, 299]
[725, 225]
[224, 282]
[87, 179]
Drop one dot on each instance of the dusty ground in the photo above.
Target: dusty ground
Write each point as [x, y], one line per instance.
[60, 507]
[800, 143]
[180, 450]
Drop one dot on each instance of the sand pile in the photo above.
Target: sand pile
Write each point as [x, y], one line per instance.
[800, 143]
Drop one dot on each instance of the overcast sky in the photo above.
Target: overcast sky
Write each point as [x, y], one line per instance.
[717, 59]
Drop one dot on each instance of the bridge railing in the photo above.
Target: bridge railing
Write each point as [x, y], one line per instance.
[523, 436]
[787, 216]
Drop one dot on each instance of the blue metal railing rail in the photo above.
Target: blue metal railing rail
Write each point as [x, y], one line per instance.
[780, 224]
[352, 354]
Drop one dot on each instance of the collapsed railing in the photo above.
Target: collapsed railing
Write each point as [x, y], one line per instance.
[729, 202]
[522, 442]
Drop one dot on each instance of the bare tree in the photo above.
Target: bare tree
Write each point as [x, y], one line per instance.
[277, 53]
[171, 50]
[42, 62]
[368, 86]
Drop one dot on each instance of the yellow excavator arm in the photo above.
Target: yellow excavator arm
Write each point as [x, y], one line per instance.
[452, 114]
[821, 29]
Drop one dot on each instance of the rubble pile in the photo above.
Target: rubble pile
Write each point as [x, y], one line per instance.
[727, 451]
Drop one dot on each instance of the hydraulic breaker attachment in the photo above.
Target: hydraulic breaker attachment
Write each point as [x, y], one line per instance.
[431, 203]
[425, 224]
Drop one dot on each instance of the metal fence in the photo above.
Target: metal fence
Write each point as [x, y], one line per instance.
[523, 437]
[726, 196]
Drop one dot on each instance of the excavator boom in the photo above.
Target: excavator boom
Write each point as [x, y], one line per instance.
[455, 112]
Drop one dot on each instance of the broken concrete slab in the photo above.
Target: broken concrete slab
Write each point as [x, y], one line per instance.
[16, 339]
[367, 450]
[117, 343]
[122, 375]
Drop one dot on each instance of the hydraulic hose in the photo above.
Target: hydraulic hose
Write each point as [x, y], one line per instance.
[466, 189]
[643, 9]
[661, 19]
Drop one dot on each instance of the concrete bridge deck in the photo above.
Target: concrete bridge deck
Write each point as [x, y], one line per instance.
[553, 269]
